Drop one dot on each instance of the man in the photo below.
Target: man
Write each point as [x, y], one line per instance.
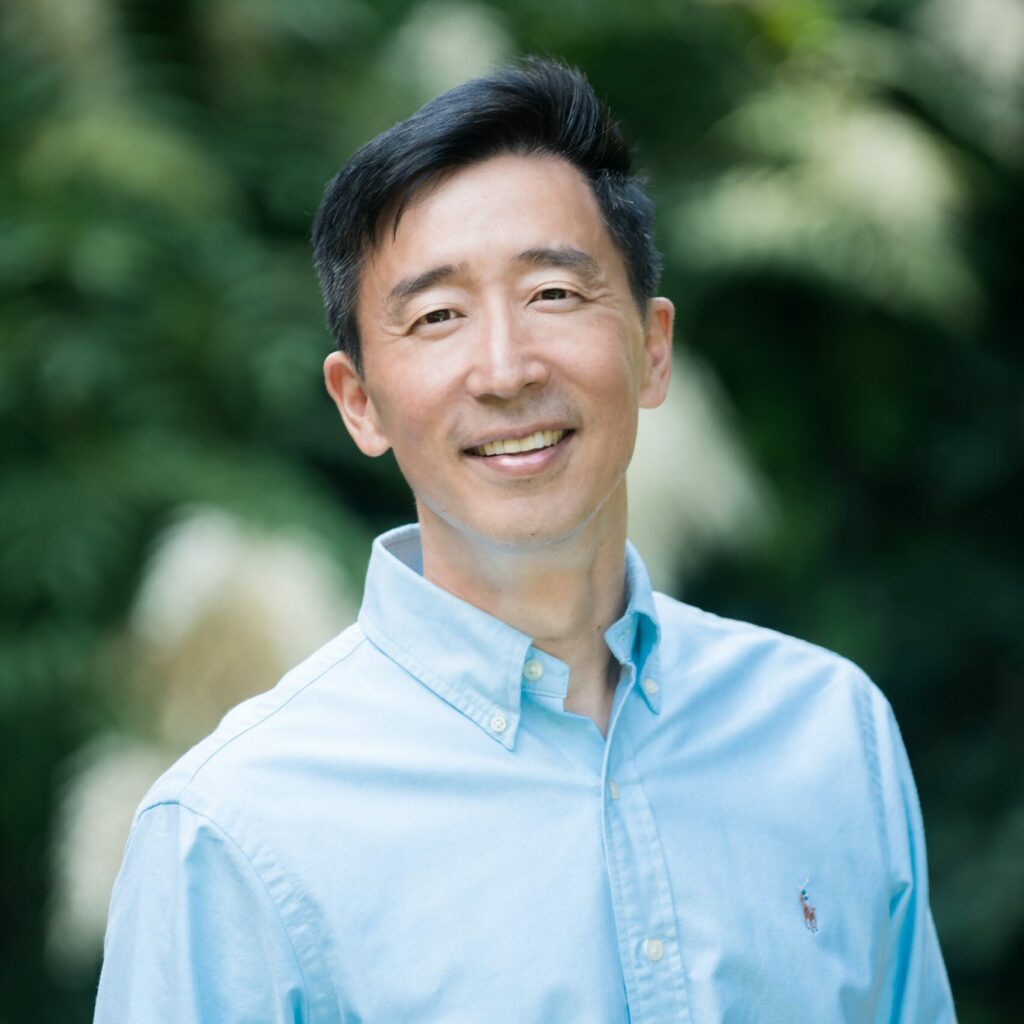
[523, 787]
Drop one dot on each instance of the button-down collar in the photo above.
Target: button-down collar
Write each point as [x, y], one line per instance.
[474, 661]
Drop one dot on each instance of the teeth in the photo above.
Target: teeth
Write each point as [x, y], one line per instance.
[539, 439]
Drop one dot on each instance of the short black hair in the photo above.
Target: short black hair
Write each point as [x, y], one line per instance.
[535, 106]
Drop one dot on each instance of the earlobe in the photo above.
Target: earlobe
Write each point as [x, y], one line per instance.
[348, 391]
[657, 352]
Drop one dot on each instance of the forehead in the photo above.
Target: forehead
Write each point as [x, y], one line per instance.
[483, 215]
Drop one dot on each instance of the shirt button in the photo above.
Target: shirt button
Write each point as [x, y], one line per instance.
[655, 950]
[533, 670]
[613, 789]
[499, 723]
[651, 686]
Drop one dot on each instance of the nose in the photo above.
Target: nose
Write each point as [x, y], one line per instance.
[504, 359]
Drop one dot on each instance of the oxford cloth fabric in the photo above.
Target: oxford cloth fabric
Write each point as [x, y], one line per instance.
[411, 827]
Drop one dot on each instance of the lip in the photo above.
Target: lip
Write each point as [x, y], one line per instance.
[514, 435]
[524, 464]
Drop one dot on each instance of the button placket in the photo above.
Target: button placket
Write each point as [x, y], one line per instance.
[645, 919]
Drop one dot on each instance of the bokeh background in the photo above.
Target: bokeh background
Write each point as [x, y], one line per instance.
[182, 517]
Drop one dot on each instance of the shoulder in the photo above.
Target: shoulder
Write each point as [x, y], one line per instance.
[212, 769]
[725, 663]
[694, 635]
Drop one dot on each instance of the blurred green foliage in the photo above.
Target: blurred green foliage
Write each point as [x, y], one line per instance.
[840, 202]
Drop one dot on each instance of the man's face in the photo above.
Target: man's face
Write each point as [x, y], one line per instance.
[501, 311]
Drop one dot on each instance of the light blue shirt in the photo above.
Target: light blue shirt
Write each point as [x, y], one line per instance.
[410, 827]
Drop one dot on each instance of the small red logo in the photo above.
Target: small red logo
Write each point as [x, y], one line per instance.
[810, 915]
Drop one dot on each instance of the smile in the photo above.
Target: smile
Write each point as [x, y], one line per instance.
[514, 446]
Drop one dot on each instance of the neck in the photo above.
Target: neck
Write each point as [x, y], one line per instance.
[564, 593]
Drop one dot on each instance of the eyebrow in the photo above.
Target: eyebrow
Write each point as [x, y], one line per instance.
[571, 259]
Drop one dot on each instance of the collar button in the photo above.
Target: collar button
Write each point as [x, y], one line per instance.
[499, 723]
[533, 670]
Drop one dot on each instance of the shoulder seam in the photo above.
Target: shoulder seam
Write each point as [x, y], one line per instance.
[252, 725]
[704, 613]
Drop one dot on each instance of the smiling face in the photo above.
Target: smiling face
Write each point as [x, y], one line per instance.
[499, 317]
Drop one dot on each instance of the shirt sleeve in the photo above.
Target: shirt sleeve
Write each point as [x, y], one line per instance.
[192, 934]
[917, 980]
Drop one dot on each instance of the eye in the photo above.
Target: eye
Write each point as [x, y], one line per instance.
[554, 294]
[437, 316]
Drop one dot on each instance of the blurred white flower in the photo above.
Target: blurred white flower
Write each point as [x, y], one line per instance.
[837, 188]
[987, 35]
[884, 164]
[986, 39]
[225, 609]
[106, 781]
[692, 487]
[443, 44]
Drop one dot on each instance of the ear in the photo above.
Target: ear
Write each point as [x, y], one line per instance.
[657, 352]
[347, 388]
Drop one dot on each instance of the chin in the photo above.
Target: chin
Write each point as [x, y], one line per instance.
[527, 533]
[511, 524]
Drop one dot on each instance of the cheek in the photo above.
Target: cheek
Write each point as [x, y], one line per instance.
[602, 353]
[607, 376]
[416, 428]
[402, 404]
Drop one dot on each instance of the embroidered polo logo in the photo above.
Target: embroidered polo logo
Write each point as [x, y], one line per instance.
[810, 915]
